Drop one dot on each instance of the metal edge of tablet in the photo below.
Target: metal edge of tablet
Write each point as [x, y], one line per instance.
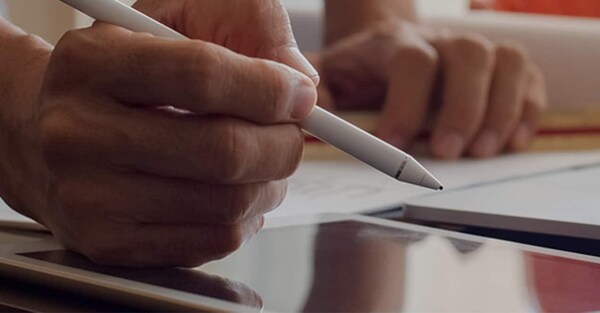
[497, 221]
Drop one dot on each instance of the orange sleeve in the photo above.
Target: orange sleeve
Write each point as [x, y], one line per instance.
[509, 5]
[583, 8]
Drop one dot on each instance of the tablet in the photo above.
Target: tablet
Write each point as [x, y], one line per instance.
[334, 263]
[563, 203]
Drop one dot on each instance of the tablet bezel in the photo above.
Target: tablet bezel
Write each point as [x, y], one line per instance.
[154, 297]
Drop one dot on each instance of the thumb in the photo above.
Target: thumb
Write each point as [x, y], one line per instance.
[281, 38]
[292, 57]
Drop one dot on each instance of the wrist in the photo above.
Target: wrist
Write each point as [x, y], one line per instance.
[23, 60]
[347, 17]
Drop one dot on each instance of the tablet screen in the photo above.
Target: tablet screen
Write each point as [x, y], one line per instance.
[356, 267]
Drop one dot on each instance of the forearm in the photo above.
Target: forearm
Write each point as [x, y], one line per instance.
[346, 17]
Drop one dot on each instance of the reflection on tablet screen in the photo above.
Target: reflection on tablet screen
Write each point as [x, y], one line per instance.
[356, 267]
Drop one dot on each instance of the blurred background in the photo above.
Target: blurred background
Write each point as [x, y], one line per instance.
[566, 48]
[50, 19]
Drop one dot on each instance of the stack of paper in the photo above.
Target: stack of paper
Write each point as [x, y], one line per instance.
[353, 187]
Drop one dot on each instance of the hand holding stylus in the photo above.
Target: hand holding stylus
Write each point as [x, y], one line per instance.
[132, 182]
[91, 149]
[320, 123]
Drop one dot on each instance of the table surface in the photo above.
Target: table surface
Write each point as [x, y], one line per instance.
[564, 130]
[561, 130]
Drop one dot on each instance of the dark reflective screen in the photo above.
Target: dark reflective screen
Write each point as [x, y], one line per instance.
[356, 267]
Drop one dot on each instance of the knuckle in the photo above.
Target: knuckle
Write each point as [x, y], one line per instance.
[425, 58]
[242, 200]
[69, 48]
[295, 147]
[466, 126]
[474, 48]
[536, 106]
[537, 95]
[511, 116]
[277, 90]
[30, 41]
[543, 104]
[65, 196]
[70, 217]
[74, 200]
[511, 55]
[232, 153]
[278, 192]
[409, 127]
[202, 68]
[536, 76]
[56, 135]
[70, 60]
[68, 41]
[231, 239]
[390, 31]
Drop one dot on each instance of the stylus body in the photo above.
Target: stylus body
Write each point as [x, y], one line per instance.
[321, 124]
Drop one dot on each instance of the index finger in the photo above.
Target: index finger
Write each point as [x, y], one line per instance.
[468, 63]
[412, 75]
[259, 29]
[191, 75]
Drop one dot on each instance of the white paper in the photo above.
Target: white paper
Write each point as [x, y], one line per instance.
[562, 203]
[353, 187]
[570, 196]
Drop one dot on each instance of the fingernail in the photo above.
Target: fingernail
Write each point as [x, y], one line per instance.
[294, 58]
[522, 137]
[486, 145]
[250, 230]
[448, 145]
[304, 99]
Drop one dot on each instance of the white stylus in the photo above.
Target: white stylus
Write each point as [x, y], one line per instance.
[321, 124]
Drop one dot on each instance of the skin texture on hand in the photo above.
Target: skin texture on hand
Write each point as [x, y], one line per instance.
[167, 153]
[255, 28]
[23, 59]
[477, 97]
